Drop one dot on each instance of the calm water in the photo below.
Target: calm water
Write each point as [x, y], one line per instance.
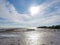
[39, 37]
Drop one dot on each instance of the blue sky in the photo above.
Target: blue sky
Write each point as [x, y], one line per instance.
[15, 13]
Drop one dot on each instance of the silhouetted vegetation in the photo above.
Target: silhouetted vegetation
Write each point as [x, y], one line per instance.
[52, 27]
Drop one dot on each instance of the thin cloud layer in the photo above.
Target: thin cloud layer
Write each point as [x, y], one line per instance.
[49, 15]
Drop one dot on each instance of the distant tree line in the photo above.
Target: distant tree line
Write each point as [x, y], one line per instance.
[52, 27]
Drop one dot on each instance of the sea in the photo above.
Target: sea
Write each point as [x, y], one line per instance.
[30, 37]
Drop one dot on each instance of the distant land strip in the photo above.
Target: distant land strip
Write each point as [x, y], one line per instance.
[50, 27]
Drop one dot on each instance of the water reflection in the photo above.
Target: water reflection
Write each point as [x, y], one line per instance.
[30, 38]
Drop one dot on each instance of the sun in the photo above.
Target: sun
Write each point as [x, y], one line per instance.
[34, 10]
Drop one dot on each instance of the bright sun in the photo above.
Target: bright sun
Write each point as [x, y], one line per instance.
[34, 10]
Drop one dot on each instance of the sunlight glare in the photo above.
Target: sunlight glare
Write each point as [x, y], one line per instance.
[34, 10]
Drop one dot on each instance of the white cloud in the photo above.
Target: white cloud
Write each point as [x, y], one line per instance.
[9, 12]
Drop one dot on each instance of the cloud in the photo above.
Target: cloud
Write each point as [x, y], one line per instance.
[9, 12]
[11, 16]
[47, 16]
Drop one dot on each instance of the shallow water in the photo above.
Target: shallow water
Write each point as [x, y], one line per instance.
[38, 37]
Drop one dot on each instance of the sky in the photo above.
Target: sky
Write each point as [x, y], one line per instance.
[18, 13]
